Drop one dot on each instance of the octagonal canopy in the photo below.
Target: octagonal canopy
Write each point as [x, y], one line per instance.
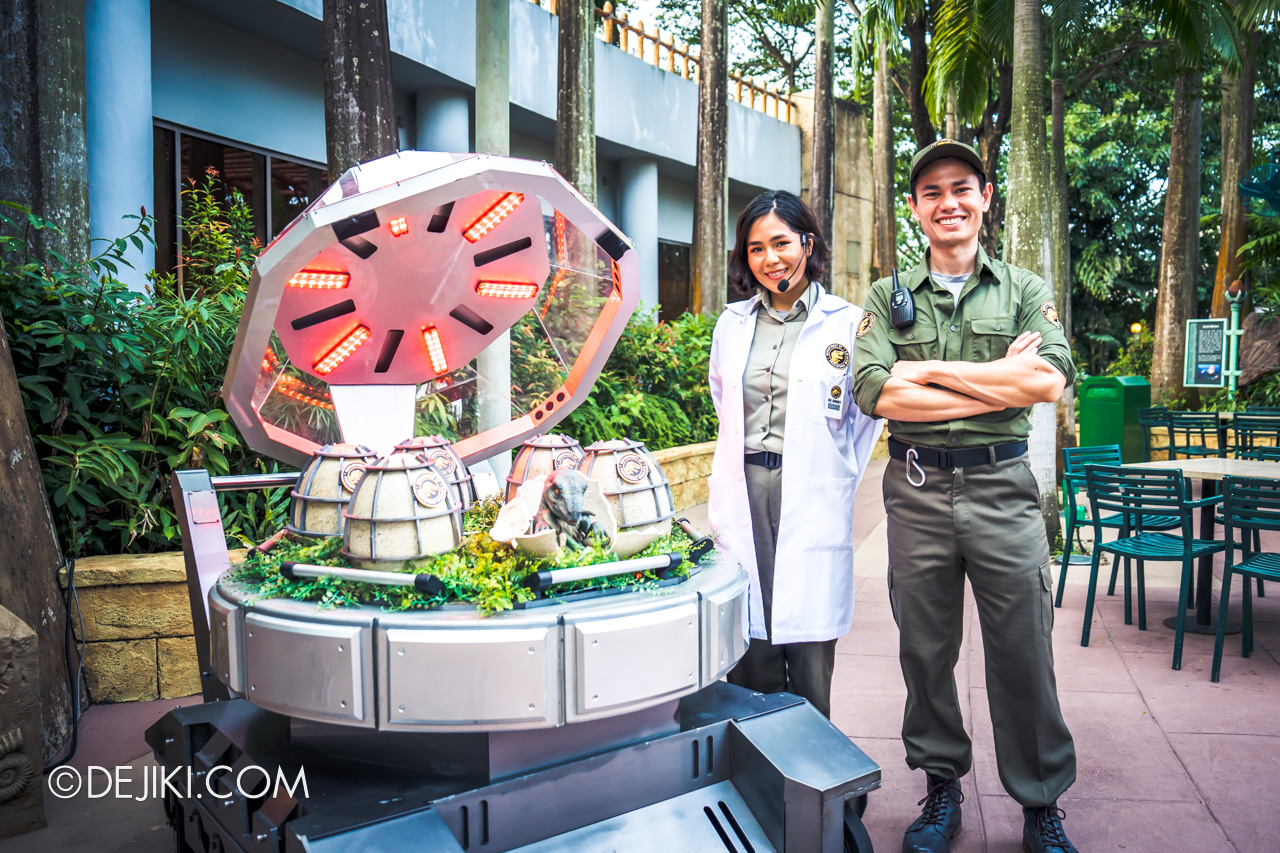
[365, 317]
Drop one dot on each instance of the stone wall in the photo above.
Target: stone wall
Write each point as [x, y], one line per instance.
[687, 469]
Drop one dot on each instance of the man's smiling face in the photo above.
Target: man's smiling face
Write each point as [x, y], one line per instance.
[949, 202]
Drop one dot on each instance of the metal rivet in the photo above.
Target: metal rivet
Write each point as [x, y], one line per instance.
[530, 706]
[595, 697]
[342, 704]
[953, 328]
[253, 687]
[400, 652]
[911, 337]
[401, 709]
[341, 647]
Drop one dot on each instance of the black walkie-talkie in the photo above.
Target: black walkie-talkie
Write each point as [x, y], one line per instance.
[902, 305]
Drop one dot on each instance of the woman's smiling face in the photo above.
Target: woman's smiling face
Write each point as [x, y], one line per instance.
[774, 252]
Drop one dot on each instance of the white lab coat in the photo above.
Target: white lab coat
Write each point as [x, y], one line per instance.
[825, 452]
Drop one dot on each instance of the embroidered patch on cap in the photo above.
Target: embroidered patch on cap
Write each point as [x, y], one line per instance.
[837, 355]
[1051, 314]
[867, 324]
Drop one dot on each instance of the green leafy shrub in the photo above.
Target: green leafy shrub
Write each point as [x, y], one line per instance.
[1134, 358]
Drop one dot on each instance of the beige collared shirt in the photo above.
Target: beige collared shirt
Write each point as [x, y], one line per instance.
[764, 382]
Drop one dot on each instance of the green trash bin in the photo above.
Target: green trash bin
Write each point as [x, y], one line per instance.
[1109, 413]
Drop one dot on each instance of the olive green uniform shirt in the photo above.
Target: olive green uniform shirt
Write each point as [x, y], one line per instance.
[997, 304]
[764, 382]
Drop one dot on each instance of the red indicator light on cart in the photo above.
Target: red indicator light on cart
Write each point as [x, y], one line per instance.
[399, 227]
[491, 217]
[319, 280]
[343, 350]
[507, 289]
[435, 350]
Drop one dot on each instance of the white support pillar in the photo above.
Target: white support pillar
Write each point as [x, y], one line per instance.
[119, 123]
[638, 218]
[444, 120]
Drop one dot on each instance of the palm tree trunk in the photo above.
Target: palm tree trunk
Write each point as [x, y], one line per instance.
[1061, 246]
[710, 274]
[995, 124]
[1028, 235]
[822, 186]
[884, 220]
[575, 96]
[1179, 249]
[1237, 158]
[921, 125]
[359, 115]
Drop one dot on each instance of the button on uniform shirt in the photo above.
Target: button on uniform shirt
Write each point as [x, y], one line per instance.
[764, 381]
[996, 304]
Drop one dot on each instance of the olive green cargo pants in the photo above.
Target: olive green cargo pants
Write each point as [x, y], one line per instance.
[982, 522]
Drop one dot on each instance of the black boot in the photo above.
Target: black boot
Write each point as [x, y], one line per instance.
[939, 822]
[1042, 831]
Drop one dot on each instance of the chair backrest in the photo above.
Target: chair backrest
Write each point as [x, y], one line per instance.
[1075, 458]
[1136, 492]
[1262, 410]
[1262, 453]
[1186, 425]
[1252, 503]
[1153, 416]
[1255, 430]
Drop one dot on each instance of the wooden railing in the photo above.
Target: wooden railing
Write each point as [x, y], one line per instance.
[663, 51]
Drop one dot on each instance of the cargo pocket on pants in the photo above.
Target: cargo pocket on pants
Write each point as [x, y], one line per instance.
[1046, 598]
[893, 599]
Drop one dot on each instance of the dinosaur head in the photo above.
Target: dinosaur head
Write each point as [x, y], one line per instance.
[564, 493]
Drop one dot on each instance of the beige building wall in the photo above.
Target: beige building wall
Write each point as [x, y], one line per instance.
[851, 242]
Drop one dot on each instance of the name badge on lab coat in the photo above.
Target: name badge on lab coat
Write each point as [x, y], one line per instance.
[836, 394]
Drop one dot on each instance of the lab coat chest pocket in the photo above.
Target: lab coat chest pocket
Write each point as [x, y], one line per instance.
[829, 522]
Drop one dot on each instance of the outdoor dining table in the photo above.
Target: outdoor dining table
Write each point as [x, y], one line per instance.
[1210, 471]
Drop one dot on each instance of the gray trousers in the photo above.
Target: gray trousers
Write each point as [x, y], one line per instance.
[801, 668]
[984, 523]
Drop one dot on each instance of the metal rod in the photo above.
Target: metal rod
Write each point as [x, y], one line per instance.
[242, 482]
[425, 583]
[662, 562]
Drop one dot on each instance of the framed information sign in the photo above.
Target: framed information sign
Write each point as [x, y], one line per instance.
[1206, 358]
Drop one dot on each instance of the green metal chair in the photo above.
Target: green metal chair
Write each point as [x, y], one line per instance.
[1252, 430]
[1074, 460]
[1153, 418]
[1250, 504]
[1189, 434]
[1262, 410]
[1137, 494]
[1263, 454]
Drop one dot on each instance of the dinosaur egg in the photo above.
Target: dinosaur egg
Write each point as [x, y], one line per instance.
[325, 485]
[541, 455]
[440, 453]
[633, 483]
[402, 510]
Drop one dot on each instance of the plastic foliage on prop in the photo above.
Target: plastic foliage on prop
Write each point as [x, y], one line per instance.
[1260, 191]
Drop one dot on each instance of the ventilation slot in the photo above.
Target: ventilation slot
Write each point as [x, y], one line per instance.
[695, 746]
[737, 827]
[465, 814]
[719, 828]
[499, 252]
[389, 347]
[711, 755]
[484, 823]
[440, 218]
[471, 320]
[315, 318]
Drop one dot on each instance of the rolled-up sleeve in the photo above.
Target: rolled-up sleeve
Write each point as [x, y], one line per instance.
[873, 352]
[1038, 312]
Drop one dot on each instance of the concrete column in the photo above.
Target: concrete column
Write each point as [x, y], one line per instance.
[119, 123]
[638, 218]
[444, 120]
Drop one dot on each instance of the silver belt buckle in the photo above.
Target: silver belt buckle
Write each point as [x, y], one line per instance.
[912, 456]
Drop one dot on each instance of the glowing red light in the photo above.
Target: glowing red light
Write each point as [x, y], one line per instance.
[292, 387]
[551, 291]
[320, 280]
[562, 251]
[435, 350]
[491, 217]
[269, 361]
[343, 350]
[399, 227]
[507, 289]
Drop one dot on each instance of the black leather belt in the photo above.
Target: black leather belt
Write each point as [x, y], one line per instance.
[963, 458]
[764, 458]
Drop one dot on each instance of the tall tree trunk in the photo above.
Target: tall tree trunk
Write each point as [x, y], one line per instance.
[995, 124]
[822, 183]
[1061, 246]
[1028, 233]
[952, 121]
[575, 96]
[921, 124]
[884, 220]
[1237, 158]
[1179, 248]
[359, 115]
[710, 273]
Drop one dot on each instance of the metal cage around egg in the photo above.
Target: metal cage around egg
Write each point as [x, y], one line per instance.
[541, 455]
[402, 510]
[324, 487]
[632, 480]
[439, 451]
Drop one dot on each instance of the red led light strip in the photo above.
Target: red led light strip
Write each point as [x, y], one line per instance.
[562, 251]
[435, 350]
[320, 280]
[491, 217]
[293, 388]
[343, 350]
[399, 227]
[560, 276]
[507, 289]
[269, 361]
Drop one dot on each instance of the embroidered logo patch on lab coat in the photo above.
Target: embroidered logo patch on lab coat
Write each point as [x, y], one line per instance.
[867, 324]
[837, 355]
[1051, 314]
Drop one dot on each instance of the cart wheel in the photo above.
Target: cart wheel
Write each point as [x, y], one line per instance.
[856, 839]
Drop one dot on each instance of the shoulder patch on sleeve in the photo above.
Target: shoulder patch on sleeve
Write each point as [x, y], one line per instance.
[866, 324]
[1051, 314]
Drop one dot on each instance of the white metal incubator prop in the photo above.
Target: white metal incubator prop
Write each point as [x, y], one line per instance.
[424, 314]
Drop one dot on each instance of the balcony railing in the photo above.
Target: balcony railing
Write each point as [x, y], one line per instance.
[663, 51]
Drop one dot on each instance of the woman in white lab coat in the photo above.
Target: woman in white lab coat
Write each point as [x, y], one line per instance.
[791, 448]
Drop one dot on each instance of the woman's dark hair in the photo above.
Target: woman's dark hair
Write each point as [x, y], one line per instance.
[797, 216]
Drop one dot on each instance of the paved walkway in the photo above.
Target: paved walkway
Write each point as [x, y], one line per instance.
[1167, 760]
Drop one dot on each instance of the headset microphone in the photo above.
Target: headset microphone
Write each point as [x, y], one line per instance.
[786, 281]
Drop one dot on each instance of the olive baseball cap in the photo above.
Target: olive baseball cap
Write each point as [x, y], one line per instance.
[942, 149]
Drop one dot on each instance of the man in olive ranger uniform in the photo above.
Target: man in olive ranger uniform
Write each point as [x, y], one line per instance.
[956, 386]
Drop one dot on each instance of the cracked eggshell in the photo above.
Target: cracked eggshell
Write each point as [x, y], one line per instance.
[514, 518]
